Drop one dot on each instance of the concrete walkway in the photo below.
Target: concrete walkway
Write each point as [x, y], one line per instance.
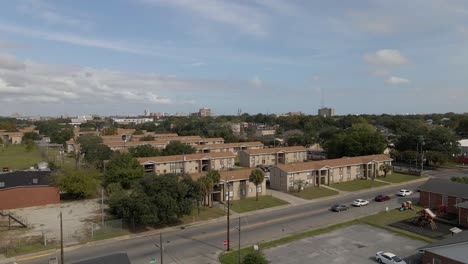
[291, 199]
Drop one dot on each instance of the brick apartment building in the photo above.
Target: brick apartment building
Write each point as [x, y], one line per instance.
[452, 250]
[228, 147]
[240, 186]
[272, 156]
[316, 173]
[20, 189]
[190, 163]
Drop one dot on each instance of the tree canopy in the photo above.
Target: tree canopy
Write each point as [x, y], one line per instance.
[257, 177]
[78, 184]
[177, 148]
[144, 151]
[123, 169]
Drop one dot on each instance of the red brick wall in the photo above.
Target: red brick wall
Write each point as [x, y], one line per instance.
[463, 217]
[428, 257]
[435, 200]
[28, 196]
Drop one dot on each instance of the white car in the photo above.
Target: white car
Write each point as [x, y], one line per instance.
[360, 202]
[388, 258]
[404, 192]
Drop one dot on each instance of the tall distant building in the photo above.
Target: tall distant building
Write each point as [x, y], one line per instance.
[147, 112]
[326, 112]
[203, 112]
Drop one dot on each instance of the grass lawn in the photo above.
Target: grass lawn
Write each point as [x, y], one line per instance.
[396, 177]
[310, 193]
[16, 157]
[250, 204]
[206, 213]
[28, 249]
[357, 185]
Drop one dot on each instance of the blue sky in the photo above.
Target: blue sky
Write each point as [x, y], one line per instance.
[275, 56]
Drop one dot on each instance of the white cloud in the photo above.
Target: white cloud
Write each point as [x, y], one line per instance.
[393, 80]
[242, 17]
[381, 72]
[256, 82]
[8, 61]
[386, 57]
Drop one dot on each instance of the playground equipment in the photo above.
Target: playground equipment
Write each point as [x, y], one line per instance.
[424, 218]
[408, 205]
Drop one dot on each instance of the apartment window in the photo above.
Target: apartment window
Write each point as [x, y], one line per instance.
[242, 183]
[164, 171]
[348, 169]
[445, 200]
[229, 163]
[2, 184]
[221, 162]
[291, 184]
[35, 181]
[436, 261]
[259, 189]
[242, 191]
[250, 190]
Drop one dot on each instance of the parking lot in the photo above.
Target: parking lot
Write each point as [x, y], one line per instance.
[353, 244]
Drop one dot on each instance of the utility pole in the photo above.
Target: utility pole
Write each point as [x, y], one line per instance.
[161, 249]
[228, 213]
[61, 240]
[239, 249]
[102, 208]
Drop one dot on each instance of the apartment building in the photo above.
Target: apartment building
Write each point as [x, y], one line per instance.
[190, 163]
[123, 146]
[198, 141]
[228, 147]
[325, 172]
[11, 137]
[272, 156]
[236, 184]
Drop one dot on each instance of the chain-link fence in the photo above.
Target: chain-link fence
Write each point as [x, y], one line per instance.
[107, 228]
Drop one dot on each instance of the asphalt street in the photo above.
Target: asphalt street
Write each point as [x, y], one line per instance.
[204, 242]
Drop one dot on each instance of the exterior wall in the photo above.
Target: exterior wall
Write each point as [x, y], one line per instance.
[434, 200]
[244, 159]
[270, 159]
[244, 190]
[463, 217]
[16, 139]
[428, 258]
[222, 164]
[278, 180]
[193, 166]
[28, 196]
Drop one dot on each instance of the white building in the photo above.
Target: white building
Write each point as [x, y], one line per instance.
[135, 120]
[463, 147]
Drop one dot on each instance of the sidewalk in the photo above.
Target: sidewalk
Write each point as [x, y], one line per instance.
[296, 201]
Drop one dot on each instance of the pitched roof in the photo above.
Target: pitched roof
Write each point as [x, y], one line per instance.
[231, 175]
[229, 145]
[347, 161]
[196, 156]
[195, 139]
[463, 205]
[445, 187]
[25, 178]
[274, 150]
[454, 247]
[134, 143]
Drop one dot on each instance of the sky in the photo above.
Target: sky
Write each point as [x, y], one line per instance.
[121, 57]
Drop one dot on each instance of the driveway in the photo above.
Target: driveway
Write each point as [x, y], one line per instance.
[353, 244]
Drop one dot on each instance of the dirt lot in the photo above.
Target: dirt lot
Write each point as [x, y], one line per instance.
[77, 217]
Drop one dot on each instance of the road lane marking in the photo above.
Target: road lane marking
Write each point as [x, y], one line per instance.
[33, 257]
[262, 223]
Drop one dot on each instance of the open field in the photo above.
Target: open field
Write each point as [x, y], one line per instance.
[310, 193]
[16, 157]
[357, 185]
[250, 204]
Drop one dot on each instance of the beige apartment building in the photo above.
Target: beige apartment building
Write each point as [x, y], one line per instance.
[123, 146]
[198, 141]
[283, 177]
[239, 185]
[190, 163]
[228, 147]
[272, 156]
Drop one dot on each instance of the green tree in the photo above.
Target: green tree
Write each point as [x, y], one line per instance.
[123, 169]
[206, 185]
[215, 178]
[177, 148]
[29, 145]
[410, 156]
[386, 168]
[257, 177]
[93, 150]
[144, 151]
[460, 179]
[147, 138]
[78, 184]
[31, 136]
[109, 131]
[436, 158]
[254, 258]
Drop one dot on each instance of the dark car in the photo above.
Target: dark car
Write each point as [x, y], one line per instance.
[381, 198]
[339, 207]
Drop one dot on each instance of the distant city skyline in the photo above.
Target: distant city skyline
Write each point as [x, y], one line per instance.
[261, 56]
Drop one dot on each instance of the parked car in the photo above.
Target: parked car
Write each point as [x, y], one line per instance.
[404, 192]
[360, 202]
[388, 258]
[339, 207]
[381, 198]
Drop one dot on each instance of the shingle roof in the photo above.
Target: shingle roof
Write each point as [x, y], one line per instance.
[231, 175]
[196, 156]
[229, 145]
[463, 205]
[454, 247]
[445, 187]
[347, 161]
[134, 143]
[25, 178]
[274, 150]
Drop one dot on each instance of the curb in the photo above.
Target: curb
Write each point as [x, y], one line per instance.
[200, 223]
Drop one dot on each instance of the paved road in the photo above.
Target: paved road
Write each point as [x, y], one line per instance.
[203, 243]
[446, 174]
